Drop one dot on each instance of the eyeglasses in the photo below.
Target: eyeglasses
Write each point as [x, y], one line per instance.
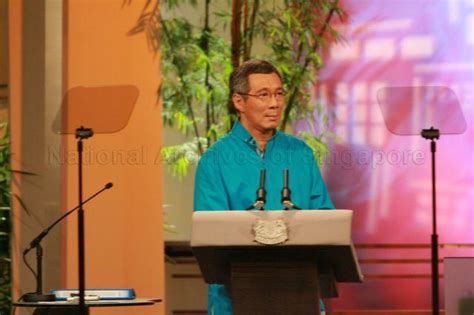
[267, 96]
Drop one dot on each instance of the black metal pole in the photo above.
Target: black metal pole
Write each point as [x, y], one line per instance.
[81, 134]
[433, 134]
[38, 296]
[80, 233]
[434, 237]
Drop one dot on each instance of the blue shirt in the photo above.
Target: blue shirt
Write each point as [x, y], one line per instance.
[228, 176]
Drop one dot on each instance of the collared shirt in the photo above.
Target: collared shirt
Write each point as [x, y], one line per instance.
[228, 176]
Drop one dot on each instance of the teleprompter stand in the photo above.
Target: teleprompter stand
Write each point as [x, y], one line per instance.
[432, 135]
[425, 110]
[287, 278]
[81, 134]
[106, 110]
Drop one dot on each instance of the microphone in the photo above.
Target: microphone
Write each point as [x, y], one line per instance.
[261, 193]
[45, 232]
[286, 192]
[36, 243]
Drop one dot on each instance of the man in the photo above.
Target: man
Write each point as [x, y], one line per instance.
[228, 174]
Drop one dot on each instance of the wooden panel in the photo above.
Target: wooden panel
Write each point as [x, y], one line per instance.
[274, 288]
[187, 271]
[186, 292]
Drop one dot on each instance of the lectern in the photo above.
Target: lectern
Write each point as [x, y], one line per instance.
[276, 262]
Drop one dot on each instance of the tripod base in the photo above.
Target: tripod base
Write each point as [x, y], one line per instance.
[35, 297]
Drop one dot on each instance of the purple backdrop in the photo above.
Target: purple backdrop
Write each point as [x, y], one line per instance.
[385, 178]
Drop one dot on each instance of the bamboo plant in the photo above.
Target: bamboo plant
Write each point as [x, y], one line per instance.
[196, 61]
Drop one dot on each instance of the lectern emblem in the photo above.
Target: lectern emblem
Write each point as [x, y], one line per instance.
[270, 232]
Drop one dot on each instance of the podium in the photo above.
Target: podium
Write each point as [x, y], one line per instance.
[313, 252]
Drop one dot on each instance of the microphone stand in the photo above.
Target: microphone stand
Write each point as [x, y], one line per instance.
[286, 193]
[433, 134]
[261, 193]
[38, 296]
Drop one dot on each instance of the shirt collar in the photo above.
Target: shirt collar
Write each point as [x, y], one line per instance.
[239, 131]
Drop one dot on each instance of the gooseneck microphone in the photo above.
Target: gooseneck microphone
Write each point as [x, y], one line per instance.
[286, 193]
[36, 243]
[261, 193]
[45, 232]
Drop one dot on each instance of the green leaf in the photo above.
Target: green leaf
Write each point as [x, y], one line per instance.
[320, 149]
[194, 88]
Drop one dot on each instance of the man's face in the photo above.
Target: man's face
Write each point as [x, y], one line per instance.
[260, 111]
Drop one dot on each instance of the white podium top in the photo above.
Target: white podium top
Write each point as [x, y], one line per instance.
[305, 227]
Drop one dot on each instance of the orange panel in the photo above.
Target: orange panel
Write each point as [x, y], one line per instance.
[124, 239]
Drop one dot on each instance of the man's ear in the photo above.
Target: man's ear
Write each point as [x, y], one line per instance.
[238, 101]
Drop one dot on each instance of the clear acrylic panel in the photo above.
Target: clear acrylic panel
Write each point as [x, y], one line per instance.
[408, 110]
[105, 109]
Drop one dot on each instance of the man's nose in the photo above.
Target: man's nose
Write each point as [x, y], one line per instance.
[274, 101]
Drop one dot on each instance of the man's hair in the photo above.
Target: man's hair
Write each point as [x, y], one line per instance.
[239, 83]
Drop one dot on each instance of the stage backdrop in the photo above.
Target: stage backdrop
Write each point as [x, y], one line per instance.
[385, 178]
[124, 231]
